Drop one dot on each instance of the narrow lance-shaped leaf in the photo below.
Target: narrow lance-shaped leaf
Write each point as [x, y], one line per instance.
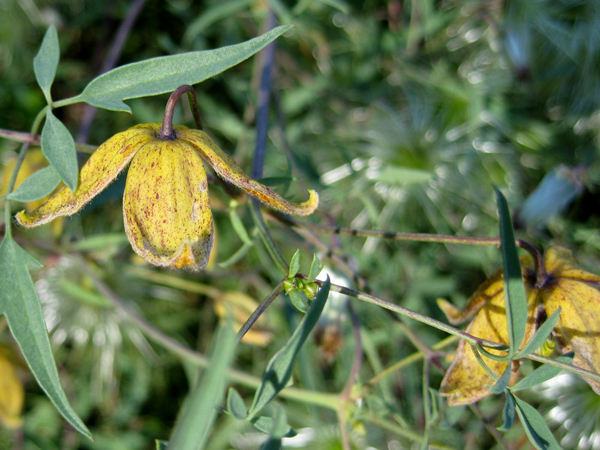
[165, 74]
[294, 264]
[279, 369]
[59, 148]
[502, 382]
[540, 336]
[508, 413]
[194, 426]
[535, 426]
[514, 290]
[20, 304]
[542, 373]
[46, 62]
[38, 185]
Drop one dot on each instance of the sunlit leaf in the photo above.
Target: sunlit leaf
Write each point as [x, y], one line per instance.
[165, 74]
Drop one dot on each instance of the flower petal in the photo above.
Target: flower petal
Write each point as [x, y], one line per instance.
[487, 291]
[97, 173]
[225, 166]
[579, 322]
[465, 380]
[166, 208]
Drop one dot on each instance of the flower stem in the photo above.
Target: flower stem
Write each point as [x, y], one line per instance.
[166, 131]
[258, 311]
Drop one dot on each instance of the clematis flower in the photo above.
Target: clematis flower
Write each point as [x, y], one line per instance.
[166, 209]
[578, 328]
[466, 381]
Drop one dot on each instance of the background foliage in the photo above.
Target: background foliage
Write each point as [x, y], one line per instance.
[401, 115]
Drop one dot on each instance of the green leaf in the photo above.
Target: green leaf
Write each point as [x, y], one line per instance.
[315, 269]
[540, 336]
[294, 264]
[195, 424]
[239, 227]
[280, 427]
[502, 383]
[165, 74]
[508, 413]
[279, 369]
[38, 185]
[59, 148]
[298, 301]
[235, 404]
[46, 62]
[265, 424]
[161, 445]
[535, 426]
[514, 289]
[542, 373]
[20, 304]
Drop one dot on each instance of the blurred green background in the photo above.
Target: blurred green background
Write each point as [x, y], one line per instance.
[402, 115]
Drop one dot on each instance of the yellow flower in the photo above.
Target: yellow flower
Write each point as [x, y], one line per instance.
[166, 208]
[578, 328]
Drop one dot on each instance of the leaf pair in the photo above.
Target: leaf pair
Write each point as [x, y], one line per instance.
[278, 375]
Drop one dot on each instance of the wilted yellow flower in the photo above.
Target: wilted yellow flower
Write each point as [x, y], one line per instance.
[578, 328]
[166, 208]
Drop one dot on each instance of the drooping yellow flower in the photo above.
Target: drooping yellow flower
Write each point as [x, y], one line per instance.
[574, 290]
[166, 207]
[466, 381]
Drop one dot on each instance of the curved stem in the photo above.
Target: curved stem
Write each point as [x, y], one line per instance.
[166, 131]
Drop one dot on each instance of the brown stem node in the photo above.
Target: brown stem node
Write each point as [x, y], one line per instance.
[166, 131]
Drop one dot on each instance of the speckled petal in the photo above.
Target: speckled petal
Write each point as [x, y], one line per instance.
[227, 168]
[166, 208]
[97, 173]
[579, 322]
[465, 380]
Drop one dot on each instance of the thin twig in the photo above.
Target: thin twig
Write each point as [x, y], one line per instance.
[36, 139]
[260, 310]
